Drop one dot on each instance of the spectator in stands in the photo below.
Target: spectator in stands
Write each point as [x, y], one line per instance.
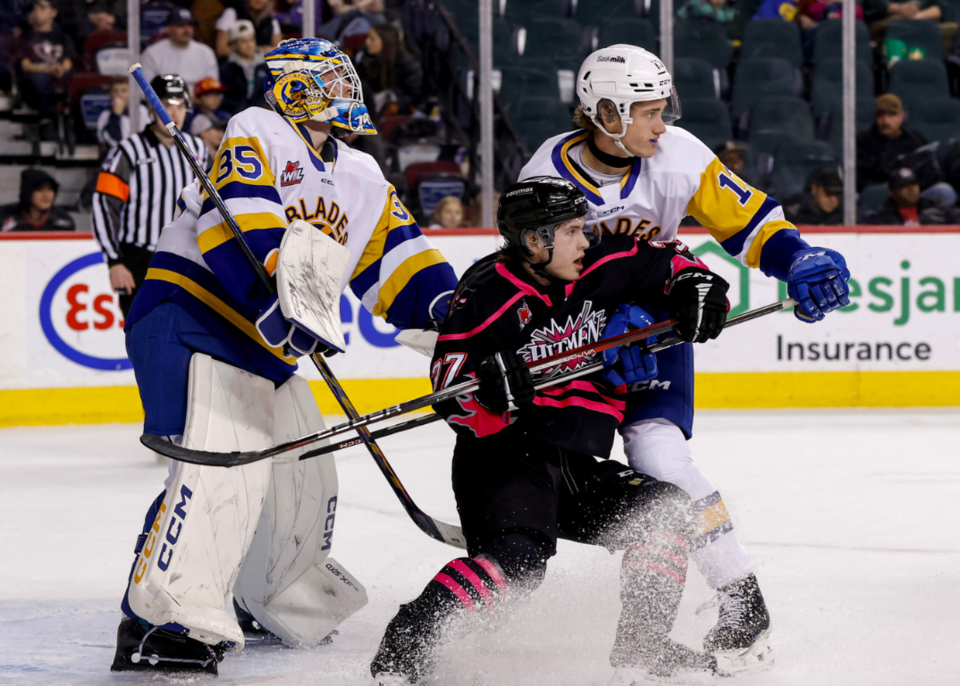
[352, 18]
[46, 60]
[35, 211]
[243, 71]
[179, 53]
[777, 9]
[259, 13]
[821, 203]
[113, 125]
[882, 149]
[80, 18]
[448, 214]
[907, 207]
[880, 16]
[208, 121]
[708, 10]
[388, 72]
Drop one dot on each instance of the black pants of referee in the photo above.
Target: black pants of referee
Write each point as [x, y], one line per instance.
[516, 494]
[137, 260]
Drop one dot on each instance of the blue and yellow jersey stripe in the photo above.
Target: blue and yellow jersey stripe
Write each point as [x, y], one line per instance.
[747, 223]
[243, 178]
[398, 267]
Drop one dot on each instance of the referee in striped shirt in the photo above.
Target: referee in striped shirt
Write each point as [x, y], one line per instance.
[137, 191]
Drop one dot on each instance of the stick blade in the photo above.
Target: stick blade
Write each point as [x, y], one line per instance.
[161, 445]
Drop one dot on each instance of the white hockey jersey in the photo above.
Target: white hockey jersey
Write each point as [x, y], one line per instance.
[682, 178]
[268, 174]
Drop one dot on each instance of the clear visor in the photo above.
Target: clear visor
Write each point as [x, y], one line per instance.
[671, 112]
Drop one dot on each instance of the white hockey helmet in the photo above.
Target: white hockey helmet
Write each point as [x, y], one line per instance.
[618, 76]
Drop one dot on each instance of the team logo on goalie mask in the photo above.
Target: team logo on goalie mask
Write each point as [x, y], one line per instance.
[584, 329]
[292, 174]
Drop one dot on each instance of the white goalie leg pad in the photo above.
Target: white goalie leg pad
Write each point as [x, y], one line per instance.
[288, 581]
[191, 559]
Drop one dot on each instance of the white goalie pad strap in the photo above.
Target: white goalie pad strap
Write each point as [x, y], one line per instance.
[419, 340]
[288, 582]
[310, 279]
[191, 559]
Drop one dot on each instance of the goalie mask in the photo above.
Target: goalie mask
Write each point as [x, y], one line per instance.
[312, 79]
[612, 79]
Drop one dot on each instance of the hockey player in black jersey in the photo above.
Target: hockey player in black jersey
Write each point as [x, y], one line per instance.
[525, 467]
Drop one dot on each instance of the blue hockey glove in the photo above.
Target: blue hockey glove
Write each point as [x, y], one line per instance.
[277, 331]
[635, 364]
[818, 282]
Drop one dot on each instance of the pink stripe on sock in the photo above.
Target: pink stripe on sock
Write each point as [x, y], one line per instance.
[660, 569]
[493, 572]
[457, 590]
[470, 576]
[671, 538]
[657, 551]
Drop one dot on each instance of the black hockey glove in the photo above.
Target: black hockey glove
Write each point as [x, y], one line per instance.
[698, 302]
[505, 379]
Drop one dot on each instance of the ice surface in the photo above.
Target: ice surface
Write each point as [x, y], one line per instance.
[850, 518]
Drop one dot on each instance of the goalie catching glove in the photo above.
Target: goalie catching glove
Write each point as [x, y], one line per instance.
[631, 363]
[505, 383]
[698, 299]
[277, 331]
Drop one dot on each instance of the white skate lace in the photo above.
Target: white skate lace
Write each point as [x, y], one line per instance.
[731, 606]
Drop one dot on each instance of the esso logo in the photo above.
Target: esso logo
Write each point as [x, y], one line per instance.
[80, 317]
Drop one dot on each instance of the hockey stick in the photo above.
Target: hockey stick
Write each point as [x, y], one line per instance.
[589, 369]
[441, 531]
[175, 452]
[379, 433]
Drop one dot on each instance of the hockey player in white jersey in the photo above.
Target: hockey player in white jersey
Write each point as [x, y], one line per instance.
[642, 177]
[215, 358]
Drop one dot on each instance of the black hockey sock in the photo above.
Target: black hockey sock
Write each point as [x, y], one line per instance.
[465, 585]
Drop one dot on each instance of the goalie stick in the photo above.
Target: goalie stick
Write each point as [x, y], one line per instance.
[232, 459]
[441, 531]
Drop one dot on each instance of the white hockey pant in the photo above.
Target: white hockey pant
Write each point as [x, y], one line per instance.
[205, 527]
[657, 447]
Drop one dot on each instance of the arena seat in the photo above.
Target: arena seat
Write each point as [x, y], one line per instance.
[765, 38]
[789, 116]
[833, 124]
[539, 118]
[708, 119]
[695, 78]
[937, 119]
[828, 41]
[758, 80]
[794, 161]
[828, 84]
[703, 40]
[919, 80]
[629, 30]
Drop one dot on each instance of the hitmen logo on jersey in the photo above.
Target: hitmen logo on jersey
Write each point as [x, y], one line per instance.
[584, 329]
[292, 174]
[524, 313]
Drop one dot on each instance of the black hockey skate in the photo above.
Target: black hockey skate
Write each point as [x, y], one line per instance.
[253, 631]
[740, 640]
[141, 647]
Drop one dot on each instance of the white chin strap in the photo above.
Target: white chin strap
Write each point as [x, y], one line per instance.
[625, 122]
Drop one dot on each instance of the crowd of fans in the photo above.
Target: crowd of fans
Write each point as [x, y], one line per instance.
[217, 47]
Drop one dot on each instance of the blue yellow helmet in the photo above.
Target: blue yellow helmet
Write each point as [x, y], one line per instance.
[312, 79]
